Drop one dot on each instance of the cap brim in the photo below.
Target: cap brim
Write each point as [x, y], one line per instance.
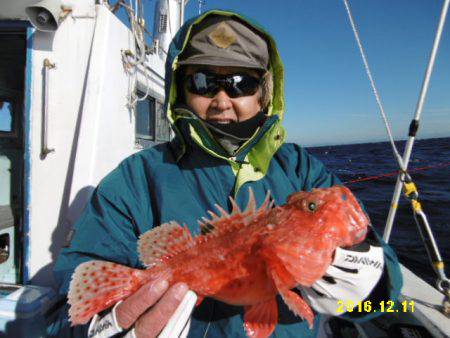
[221, 62]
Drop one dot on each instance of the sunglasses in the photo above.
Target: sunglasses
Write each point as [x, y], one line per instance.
[209, 84]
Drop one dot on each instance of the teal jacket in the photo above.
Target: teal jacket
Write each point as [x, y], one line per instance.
[181, 180]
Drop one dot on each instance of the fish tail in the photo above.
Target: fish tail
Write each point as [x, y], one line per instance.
[97, 285]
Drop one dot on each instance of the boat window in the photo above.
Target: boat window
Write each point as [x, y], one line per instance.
[12, 70]
[162, 123]
[145, 119]
[6, 116]
[152, 126]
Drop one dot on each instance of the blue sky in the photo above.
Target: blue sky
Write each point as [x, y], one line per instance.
[328, 96]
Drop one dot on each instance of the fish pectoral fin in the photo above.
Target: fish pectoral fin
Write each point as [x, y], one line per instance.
[294, 302]
[298, 306]
[260, 319]
[163, 242]
[297, 259]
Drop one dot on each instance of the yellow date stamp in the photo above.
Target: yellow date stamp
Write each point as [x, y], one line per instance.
[369, 307]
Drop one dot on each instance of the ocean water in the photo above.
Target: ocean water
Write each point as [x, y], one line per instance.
[431, 160]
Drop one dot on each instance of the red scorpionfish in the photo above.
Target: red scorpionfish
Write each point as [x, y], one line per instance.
[243, 258]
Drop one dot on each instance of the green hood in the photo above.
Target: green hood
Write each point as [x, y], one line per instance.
[253, 158]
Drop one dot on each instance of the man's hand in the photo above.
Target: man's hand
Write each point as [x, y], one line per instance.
[155, 309]
[151, 307]
[351, 276]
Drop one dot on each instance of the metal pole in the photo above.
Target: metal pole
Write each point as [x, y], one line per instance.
[415, 123]
[182, 4]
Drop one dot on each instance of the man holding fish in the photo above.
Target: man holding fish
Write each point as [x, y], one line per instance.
[225, 101]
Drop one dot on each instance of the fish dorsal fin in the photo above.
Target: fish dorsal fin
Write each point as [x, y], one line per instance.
[236, 219]
[163, 242]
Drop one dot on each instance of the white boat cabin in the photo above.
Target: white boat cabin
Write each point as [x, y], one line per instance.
[66, 121]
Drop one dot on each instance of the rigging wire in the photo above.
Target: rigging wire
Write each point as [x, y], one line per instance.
[372, 84]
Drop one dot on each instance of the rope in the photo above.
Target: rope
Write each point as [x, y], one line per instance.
[132, 62]
[374, 88]
[394, 173]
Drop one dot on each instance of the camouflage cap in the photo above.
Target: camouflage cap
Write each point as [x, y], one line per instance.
[225, 41]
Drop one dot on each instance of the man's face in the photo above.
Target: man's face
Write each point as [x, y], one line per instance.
[221, 108]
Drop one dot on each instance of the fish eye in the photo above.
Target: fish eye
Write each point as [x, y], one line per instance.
[312, 206]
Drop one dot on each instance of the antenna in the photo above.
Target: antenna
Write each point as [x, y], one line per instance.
[201, 3]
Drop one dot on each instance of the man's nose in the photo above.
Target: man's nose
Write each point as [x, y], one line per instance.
[221, 101]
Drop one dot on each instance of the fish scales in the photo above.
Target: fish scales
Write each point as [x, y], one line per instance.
[243, 257]
[231, 266]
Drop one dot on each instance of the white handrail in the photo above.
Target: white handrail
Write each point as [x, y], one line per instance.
[45, 150]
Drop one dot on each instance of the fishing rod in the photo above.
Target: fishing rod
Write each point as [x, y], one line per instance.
[395, 173]
[414, 125]
[410, 190]
[404, 179]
